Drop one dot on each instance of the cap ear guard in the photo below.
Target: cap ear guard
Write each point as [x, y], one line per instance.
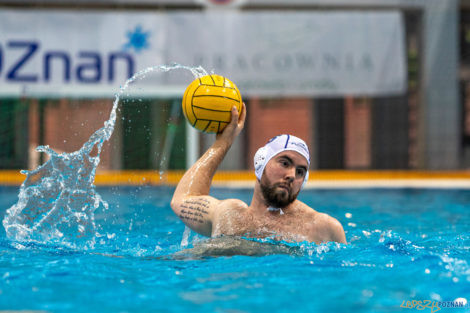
[260, 161]
[305, 180]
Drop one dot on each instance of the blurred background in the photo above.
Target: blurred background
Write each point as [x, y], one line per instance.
[369, 84]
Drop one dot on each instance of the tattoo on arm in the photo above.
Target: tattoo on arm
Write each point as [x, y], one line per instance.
[194, 210]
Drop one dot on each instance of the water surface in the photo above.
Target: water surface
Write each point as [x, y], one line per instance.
[405, 244]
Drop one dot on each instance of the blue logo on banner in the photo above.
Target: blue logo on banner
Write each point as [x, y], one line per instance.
[137, 39]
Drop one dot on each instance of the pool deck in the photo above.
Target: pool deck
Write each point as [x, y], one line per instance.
[246, 179]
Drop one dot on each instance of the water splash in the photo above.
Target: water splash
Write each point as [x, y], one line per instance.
[185, 239]
[57, 201]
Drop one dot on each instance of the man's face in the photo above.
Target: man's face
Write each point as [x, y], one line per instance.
[282, 178]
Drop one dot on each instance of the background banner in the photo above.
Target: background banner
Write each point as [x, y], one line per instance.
[92, 53]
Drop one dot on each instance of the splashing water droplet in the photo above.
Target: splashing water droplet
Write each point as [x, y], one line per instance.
[57, 200]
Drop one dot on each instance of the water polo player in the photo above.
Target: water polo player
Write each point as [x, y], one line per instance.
[281, 168]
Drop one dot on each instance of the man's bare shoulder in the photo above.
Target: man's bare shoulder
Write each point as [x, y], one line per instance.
[331, 227]
[327, 220]
[231, 207]
[304, 211]
[318, 216]
[231, 217]
[328, 227]
[233, 203]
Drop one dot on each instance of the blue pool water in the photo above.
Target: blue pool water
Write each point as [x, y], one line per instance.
[405, 245]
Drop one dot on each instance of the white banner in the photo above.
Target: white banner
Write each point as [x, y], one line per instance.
[91, 53]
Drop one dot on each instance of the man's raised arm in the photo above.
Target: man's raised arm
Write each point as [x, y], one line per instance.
[191, 200]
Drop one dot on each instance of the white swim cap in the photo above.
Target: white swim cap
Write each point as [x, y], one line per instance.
[277, 145]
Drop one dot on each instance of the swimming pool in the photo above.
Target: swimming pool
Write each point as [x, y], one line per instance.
[405, 244]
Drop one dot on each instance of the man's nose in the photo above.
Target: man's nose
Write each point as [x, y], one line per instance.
[290, 174]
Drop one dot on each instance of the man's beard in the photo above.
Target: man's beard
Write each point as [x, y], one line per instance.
[274, 198]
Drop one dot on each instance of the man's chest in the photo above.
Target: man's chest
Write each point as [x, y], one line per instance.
[289, 228]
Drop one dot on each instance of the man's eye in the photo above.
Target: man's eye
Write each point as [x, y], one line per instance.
[301, 172]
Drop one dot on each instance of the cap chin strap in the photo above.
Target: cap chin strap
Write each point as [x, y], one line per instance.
[271, 209]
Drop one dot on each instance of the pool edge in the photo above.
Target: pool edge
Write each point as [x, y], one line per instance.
[246, 179]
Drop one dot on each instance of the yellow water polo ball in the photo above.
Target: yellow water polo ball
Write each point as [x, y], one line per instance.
[208, 102]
